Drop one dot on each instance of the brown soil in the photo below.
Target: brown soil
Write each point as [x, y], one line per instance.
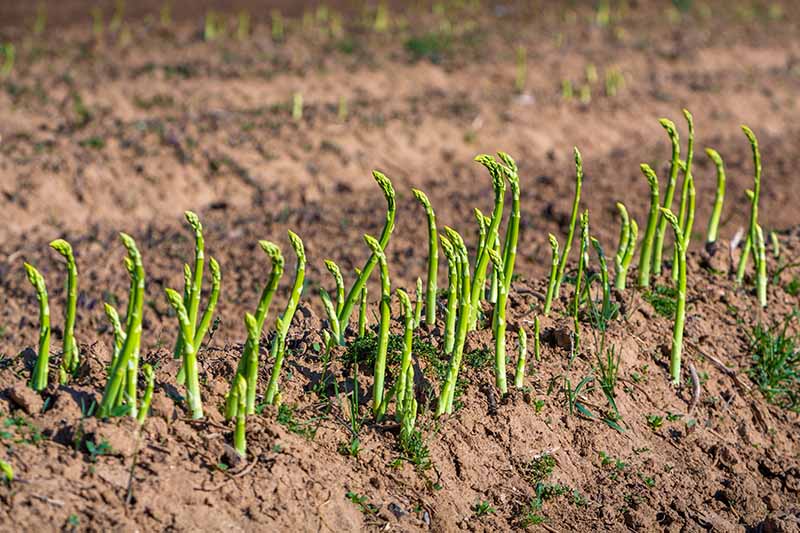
[104, 136]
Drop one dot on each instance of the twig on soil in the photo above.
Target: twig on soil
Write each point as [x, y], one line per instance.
[51, 501]
[719, 364]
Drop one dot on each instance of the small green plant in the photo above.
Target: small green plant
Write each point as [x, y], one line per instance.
[719, 198]
[775, 366]
[540, 468]
[96, 450]
[654, 422]
[40, 374]
[483, 508]
[663, 298]
[362, 502]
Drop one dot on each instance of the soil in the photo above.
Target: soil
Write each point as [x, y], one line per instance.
[125, 131]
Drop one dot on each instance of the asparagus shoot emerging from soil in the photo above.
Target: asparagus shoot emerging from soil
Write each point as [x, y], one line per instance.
[127, 357]
[719, 198]
[761, 266]
[512, 230]
[445, 402]
[239, 436]
[686, 213]
[191, 379]
[482, 261]
[433, 259]
[419, 303]
[553, 280]
[519, 375]
[562, 262]
[688, 221]
[192, 293]
[249, 363]
[362, 313]
[680, 308]
[580, 274]
[70, 358]
[499, 323]
[278, 348]
[669, 194]
[453, 267]
[405, 360]
[144, 408]
[355, 291]
[41, 368]
[336, 272]
[379, 372]
[537, 347]
[646, 249]
[627, 246]
[751, 233]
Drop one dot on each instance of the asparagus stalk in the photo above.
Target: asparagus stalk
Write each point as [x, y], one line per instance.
[669, 193]
[646, 248]
[379, 372]
[719, 198]
[680, 309]
[562, 262]
[552, 284]
[283, 322]
[499, 323]
[408, 338]
[355, 290]
[686, 214]
[453, 267]
[626, 248]
[761, 267]
[433, 259]
[239, 437]
[751, 234]
[41, 368]
[519, 376]
[579, 277]
[419, 303]
[445, 402]
[70, 358]
[512, 230]
[537, 348]
[144, 408]
[133, 334]
[479, 276]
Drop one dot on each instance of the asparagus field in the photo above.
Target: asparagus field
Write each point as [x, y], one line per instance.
[457, 266]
